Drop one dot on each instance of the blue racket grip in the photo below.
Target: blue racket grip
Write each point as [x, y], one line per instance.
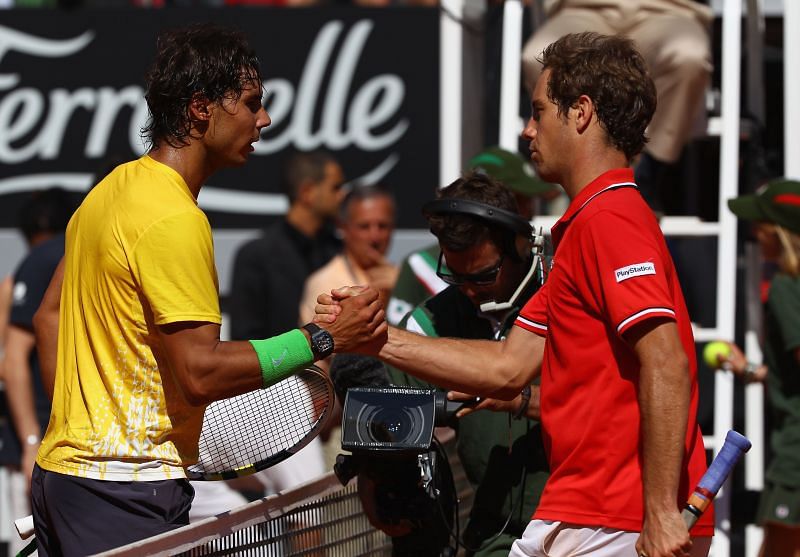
[734, 447]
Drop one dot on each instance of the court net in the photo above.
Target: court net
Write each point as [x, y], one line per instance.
[319, 518]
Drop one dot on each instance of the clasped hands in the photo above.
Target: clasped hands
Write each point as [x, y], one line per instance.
[354, 316]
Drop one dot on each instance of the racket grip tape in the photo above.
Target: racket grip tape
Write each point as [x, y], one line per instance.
[733, 448]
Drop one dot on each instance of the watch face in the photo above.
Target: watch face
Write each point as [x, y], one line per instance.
[324, 342]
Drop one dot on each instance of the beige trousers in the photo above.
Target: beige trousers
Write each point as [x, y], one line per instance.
[673, 41]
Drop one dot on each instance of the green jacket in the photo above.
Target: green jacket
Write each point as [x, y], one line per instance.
[782, 328]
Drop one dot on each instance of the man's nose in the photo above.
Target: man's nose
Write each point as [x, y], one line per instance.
[529, 131]
[264, 120]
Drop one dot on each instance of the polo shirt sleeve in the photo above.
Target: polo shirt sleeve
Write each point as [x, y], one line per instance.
[173, 262]
[627, 278]
[533, 316]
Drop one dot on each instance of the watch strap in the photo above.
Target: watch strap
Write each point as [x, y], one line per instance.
[321, 340]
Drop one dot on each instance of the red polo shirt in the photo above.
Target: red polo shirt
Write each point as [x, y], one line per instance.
[611, 270]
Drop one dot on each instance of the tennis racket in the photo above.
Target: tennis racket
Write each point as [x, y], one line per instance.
[733, 448]
[256, 430]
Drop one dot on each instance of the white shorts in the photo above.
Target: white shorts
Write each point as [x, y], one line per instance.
[545, 538]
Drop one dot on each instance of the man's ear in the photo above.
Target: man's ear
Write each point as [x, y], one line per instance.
[199, 108]
[584, 112]
[306, 190]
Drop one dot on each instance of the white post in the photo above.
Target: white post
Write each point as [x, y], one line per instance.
[510, 75]
[450, 87]
[726, 249]
[791, 88]
[754, 430]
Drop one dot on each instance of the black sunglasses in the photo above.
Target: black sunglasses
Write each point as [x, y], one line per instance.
[484, 278]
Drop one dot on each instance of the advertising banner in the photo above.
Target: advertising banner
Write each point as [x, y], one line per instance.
[360, 83]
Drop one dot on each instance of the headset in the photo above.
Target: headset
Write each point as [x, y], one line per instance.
[484, 211]
[505, 219]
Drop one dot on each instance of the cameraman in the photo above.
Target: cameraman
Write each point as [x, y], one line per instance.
[492, 272]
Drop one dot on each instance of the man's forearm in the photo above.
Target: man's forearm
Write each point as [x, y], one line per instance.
[664, 407]
[47, 349]
[45, 325]
[19, 385]
[481, 367]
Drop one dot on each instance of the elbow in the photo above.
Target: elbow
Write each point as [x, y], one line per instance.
[196, 387]
[45, 322]
[509, 383]
[195, 395]
[39, 322]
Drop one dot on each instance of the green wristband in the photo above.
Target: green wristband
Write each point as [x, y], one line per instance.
[282, 355]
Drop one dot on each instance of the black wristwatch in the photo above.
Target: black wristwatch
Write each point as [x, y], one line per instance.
[321, 341]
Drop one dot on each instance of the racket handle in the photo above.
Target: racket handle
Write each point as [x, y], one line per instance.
[24, 526]
[734, 447]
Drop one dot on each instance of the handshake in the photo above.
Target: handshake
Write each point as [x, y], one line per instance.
[355, 318]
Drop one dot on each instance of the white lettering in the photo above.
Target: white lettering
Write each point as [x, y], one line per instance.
[373, 105]
[362, 120]
[11, 39]
[51, 136]
[109, 103]
[311, 114]
[27, 104]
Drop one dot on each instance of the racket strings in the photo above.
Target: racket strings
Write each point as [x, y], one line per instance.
[257, 426]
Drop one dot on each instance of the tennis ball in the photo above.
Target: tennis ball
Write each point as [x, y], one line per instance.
[714, 351]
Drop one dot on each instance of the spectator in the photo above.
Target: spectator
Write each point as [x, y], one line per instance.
[366, 224]
[43, 220]
[269, 272]
[673, 37]
[775, 213]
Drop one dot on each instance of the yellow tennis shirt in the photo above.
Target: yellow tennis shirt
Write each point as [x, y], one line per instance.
[139, 254]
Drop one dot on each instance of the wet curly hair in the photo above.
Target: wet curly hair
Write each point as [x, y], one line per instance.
[610, 71]
[202, 59]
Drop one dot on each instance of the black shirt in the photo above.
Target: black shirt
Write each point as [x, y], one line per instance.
[268, 278]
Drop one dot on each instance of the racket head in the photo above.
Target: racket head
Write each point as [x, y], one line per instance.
[253, 431]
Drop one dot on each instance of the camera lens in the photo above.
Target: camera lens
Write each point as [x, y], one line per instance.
[391, 425]
[391, 418]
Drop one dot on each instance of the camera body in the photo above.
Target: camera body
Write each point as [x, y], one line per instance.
[395, 419]
[404, 478]
[388, 419]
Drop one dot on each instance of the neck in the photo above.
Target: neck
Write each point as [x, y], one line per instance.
[584, 169]
[304, 220]
[188, 161]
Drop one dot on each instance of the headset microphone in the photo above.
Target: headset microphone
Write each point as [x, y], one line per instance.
[536, 265]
